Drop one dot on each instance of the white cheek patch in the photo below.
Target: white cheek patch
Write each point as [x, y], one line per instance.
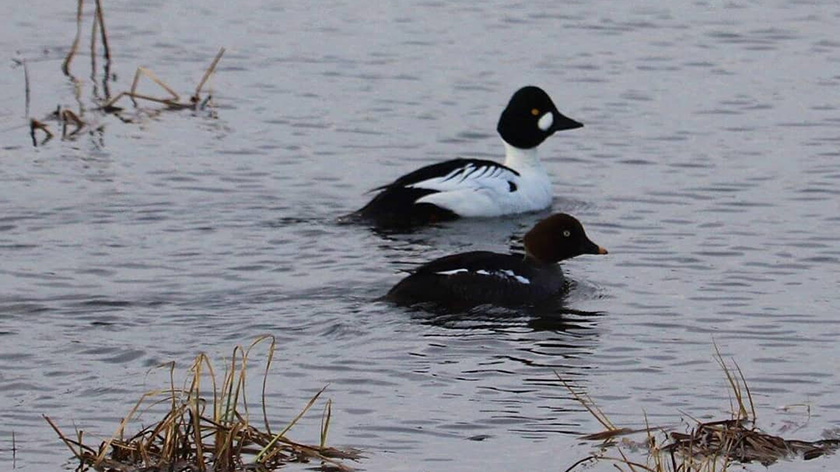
[546, 121]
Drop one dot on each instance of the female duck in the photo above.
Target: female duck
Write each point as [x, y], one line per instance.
[482, 277]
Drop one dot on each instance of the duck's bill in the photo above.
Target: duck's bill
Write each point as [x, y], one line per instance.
[592, 248]
[562, 122]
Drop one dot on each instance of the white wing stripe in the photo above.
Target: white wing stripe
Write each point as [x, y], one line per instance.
[503, 273]
[452, 272]
[470, 177]
[518, 278]
[481, 171]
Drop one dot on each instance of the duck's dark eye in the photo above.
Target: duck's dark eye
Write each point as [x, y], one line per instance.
[567, 233]
[535, 111]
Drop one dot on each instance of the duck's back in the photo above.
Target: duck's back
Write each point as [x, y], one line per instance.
[481, 277]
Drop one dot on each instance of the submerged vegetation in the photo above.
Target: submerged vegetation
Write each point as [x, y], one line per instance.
[72, 122]
[207, 430]
[713, 446]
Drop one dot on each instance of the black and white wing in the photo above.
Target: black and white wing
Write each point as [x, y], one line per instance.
[401, 203]
[459, 174]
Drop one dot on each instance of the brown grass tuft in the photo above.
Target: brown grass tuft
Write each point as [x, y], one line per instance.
[207, 430]
[708, 446]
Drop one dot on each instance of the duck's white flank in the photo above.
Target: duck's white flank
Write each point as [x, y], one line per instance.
[486, 192]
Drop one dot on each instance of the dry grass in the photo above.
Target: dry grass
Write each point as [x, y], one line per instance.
[173, 101]
[207, 430]
[105, 102]
[707, 446]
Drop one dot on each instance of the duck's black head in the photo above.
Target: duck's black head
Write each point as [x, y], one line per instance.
[530, 117]
[559, 237]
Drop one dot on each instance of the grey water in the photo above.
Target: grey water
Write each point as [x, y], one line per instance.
[709, 166]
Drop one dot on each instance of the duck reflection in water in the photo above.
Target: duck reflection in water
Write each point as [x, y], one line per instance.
[552, 316]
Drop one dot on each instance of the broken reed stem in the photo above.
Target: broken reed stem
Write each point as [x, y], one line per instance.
[621, 461]
[585, 459]
[630, 463]
[325, 423]
[170, 431]
[203, 359]
[196, 96]
[193, 397]
[162, 101]
[151, 75]
[66, 116]
[747, 388]
[104, 448]
[100, 15]
[590, 405]
[232, 390]
[93, 31]
[172, 102]
[65, 67]
[133, 89]
[264, 455]
[79, 439]
[199, 447]
[273, 345]
[61, 436]
[26, 84]
[734, 385]
[37, 125]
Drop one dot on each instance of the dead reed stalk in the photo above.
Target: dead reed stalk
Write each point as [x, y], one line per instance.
[100, 16]
[107, 103]
[26, 85]
[196, 97]
[35, 125]
[172, 102]
[65, 66]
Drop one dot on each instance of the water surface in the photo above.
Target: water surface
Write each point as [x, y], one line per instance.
[708, 166]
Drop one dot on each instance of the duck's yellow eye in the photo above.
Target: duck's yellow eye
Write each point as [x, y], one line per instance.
[535, 111]
[567, 233]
